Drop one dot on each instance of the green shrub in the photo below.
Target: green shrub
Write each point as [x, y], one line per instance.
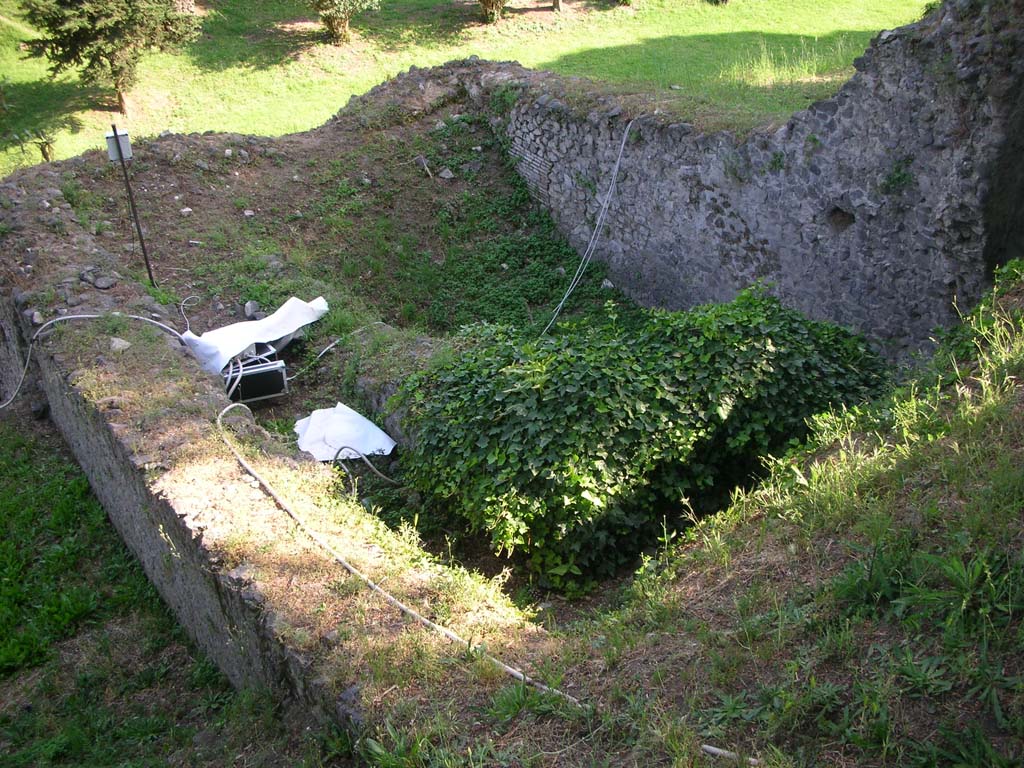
[572, 448]
[335, 16]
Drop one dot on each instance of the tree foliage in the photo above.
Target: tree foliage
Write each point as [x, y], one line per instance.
[493, 9]
[335, 15]
[106, 38]
[572, 448]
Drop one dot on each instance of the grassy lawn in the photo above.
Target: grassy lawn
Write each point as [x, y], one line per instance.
[264, 68]
[93, 669]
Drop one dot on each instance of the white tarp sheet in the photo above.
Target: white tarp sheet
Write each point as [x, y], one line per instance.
[215, 348]
[326, 430]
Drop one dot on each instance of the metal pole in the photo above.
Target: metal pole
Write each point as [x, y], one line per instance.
[131, 205]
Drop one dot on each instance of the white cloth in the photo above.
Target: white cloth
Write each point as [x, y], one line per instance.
[326, 430]
[215, 348]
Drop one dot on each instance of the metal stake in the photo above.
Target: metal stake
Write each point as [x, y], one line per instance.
[131, 204]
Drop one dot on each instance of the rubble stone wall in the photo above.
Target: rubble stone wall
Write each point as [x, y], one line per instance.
[875, 209]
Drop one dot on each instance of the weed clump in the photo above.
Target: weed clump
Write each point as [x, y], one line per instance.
[572, 448]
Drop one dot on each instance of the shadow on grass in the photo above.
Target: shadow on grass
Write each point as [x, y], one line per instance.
[419, 23]
[254, 35]
[42, 108]
[269, 34]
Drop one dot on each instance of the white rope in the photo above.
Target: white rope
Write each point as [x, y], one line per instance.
[47, 324]
[592, 245]
[387, 597]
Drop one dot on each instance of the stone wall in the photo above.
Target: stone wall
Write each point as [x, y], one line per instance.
[223, 612]
[875, 209]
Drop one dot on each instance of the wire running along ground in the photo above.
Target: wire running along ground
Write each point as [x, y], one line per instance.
[317, 538]
[385, 595]
[64, 318]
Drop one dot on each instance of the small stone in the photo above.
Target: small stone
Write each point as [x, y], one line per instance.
[202, 165]
[105, 282]
[228, 153]
[118, 344]
[366, 181]
[37, 318]
[607, 284]
[244, 156]
[248, 213]
[186, 211]
[74, 300]
[251, 309]
[446, 173]
[243, 574]
[478, 148]
[504, 266]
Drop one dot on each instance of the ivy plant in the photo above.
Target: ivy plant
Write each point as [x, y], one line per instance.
[573, 448]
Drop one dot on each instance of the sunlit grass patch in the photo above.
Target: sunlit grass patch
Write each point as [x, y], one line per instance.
[811, 61]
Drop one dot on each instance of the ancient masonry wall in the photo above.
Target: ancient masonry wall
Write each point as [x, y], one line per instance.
[224, 613]
[876, 209]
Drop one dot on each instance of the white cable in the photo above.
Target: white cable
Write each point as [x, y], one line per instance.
[332, 345]
[388, 597]
[361, 455]
[596, 235]
[238, 379]
[48, 323]
[187, 302]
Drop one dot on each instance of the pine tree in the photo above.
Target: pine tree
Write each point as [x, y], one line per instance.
[105, 37]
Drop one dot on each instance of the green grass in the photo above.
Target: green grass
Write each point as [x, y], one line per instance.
[485, 255]
[263, 69]
[93, 669]
[890, 628]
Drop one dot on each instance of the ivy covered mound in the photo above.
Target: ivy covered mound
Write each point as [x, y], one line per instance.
[574, 448]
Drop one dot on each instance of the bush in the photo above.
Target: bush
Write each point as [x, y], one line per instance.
[335, 15]
[493, 9]
[571, 448]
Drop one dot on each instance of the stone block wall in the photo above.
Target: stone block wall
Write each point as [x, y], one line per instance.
[875, 209]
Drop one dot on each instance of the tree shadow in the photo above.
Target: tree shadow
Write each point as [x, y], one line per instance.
[264, 35]
[42, 108]
[732, 80]
[407, 24]
[598, 5]
[254, 35]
